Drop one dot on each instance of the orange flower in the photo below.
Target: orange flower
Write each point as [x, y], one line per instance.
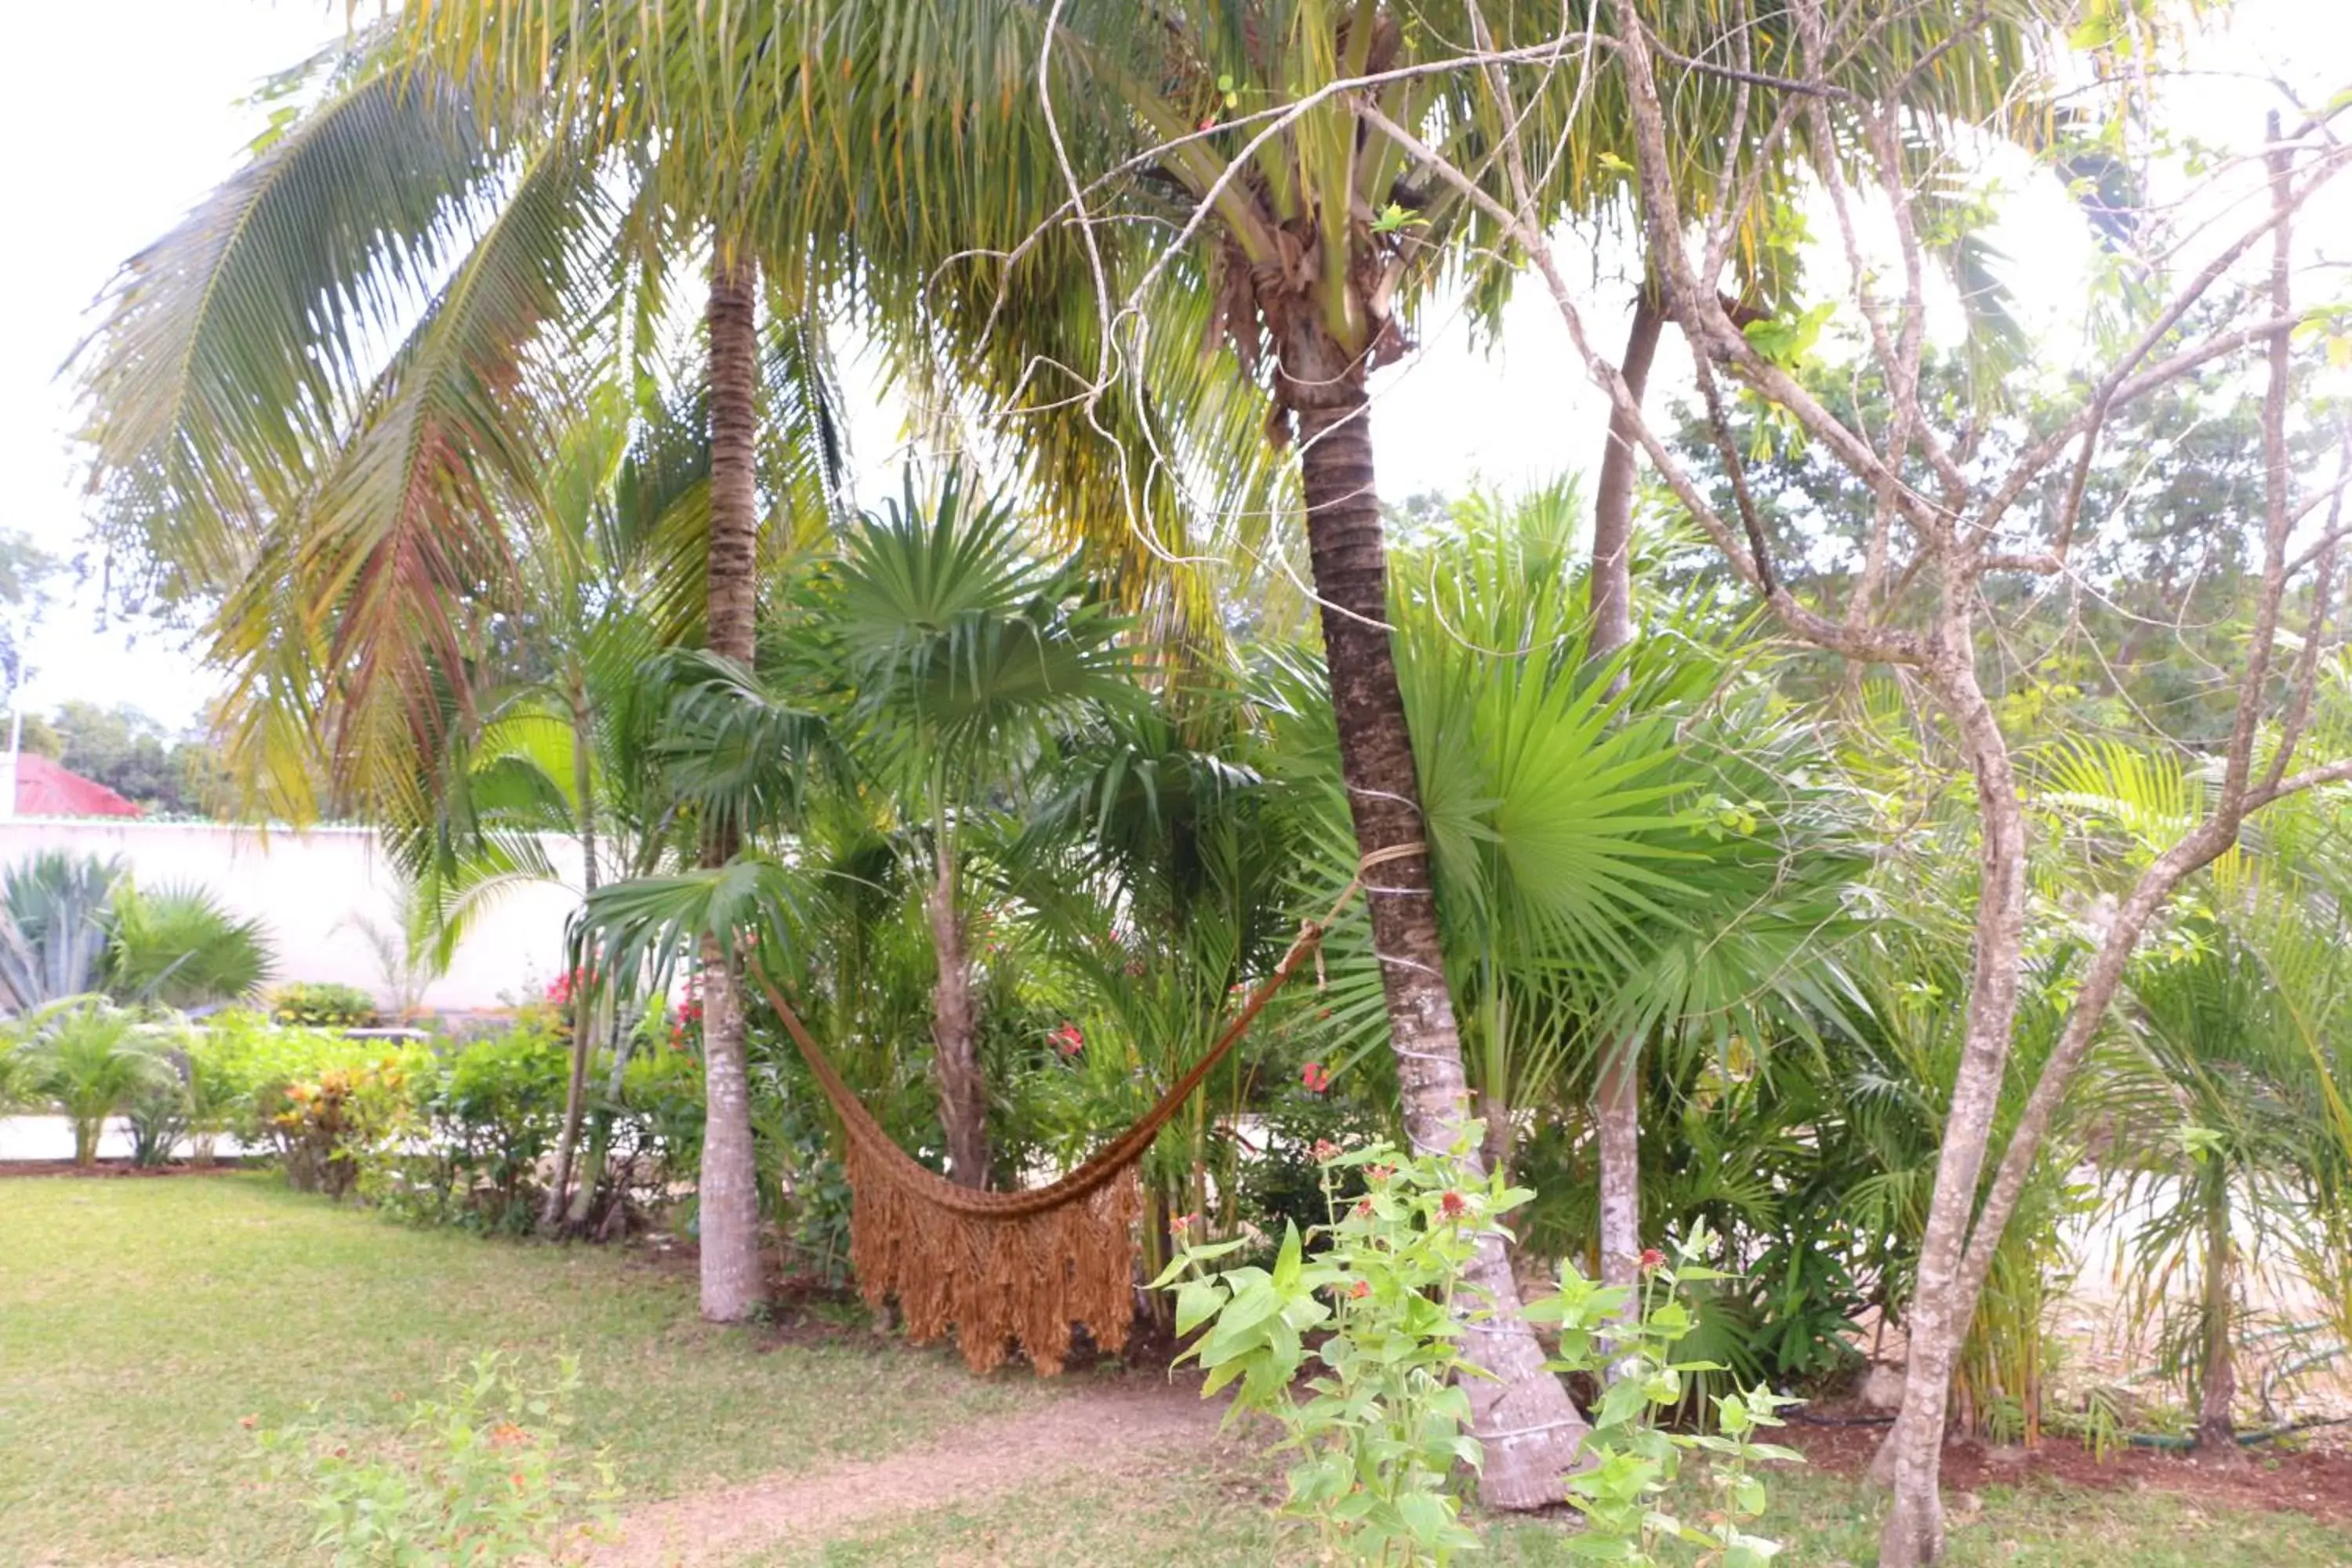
[507, 1435]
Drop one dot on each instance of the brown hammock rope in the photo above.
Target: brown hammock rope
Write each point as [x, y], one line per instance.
[1020, 1268]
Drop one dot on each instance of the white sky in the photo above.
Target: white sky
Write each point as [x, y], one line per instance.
[121, 113]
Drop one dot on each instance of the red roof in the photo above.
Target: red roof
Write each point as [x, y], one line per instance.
[46, 788]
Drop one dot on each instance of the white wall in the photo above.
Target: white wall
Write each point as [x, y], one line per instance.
[310, 890]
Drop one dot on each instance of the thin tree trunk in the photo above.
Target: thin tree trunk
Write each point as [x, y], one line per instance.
[1617, 1095]
[2217, 1429]
[1617, 1114]
[728, 1191]
[1914, 1532]
[600, 1126]
[955, 1058]
[582, 993]
[1529, 1428]
[1610, 582]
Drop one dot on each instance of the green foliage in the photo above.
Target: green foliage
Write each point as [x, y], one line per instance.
[488, 1473]
[134, 756]
[53, 941]
[332, 1129]
[92, 1061]
[1385, 1423]
[1628, 1340]
[322, 1004]
[179, 947]
[1386, 1420]
[74, 925]
[480, 1118]
[240, 1064]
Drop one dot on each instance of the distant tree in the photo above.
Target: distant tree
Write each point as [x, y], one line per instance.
[25, 573]
[41, 738]
[127, 751]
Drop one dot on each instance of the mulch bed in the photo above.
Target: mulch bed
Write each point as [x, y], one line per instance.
[114, 1167]
[2290, 1480]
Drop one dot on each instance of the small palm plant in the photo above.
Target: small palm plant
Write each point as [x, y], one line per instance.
[90, 1060]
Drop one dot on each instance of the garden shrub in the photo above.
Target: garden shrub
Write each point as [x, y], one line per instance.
[91, 1061]
[244, 1064]
[488, 1473]
[157, 1114]
[1382, 1430]
[343, 1123]
[475, 1122]
[1283, 1183]
[493, 1108]
[317, 1005]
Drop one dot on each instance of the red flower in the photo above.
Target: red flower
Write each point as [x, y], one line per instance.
[1452, 1207]
[1363, 1209]
[1360, 1289]
[1068, 1039]
[1652, 1258]
[1326, 1151]
[1183, 1222]
[1314, 1078]
[1382, 1172]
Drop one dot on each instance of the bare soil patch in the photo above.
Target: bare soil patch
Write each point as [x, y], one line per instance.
[115, 1167]
[2302, 1481]
[1121, 1424]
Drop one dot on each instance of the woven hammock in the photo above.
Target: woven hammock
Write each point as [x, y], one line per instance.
[1007, 1269]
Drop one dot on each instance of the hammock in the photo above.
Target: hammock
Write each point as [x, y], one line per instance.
[1021, 1268]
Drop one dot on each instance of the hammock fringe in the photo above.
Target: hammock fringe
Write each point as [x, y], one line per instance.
[1018, 1270]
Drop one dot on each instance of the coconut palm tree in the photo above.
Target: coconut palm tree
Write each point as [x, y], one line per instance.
[321, 407]
[1304, 233]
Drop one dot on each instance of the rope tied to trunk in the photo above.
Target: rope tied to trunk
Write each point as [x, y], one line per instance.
[1020, 1268]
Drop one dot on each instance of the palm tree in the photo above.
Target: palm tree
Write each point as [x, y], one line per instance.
[1308, 236]
[1160, 859]
[346, 514]
[2228, 1125]
[964, 654]
[90, 1060]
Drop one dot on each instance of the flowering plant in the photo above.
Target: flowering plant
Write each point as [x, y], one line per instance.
[1383, 1429]
[1631, 1334]
[1384, 1424]
[485, 1474]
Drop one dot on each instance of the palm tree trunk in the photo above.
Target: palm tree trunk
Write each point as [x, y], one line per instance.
[2217, 1392]
[727, 1189]
[582, 994]
[1617, 1097]
[955, 1058]
[1522, 1415]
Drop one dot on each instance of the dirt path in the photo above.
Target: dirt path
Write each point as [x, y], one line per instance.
[1098, 1430]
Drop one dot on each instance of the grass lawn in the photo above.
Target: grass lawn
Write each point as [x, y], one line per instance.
[141, 1320]
[1184, 1519]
